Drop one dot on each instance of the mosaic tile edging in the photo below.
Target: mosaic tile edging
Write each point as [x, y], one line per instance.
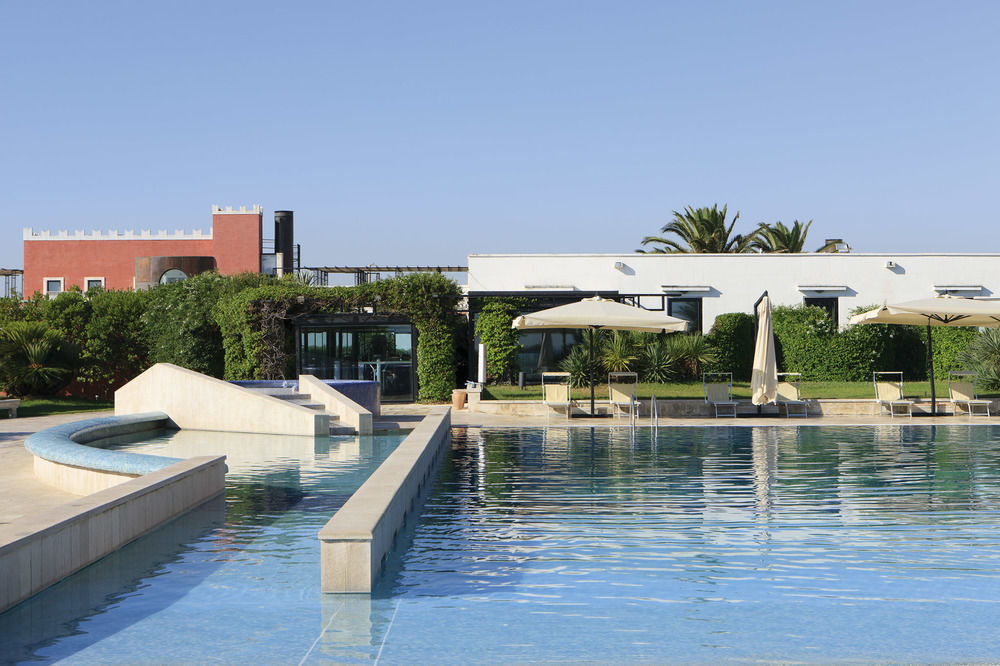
[67, 444]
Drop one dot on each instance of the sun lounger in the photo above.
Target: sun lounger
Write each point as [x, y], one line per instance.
[622, 393]
[889, 393]
[555, 392]
[11, 405]
[790, 394]
[719, 392]
[962, 391]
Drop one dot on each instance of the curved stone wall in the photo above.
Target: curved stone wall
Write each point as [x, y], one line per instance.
[67, 444]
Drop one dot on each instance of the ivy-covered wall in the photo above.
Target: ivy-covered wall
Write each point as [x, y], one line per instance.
[493, 328]
[257, 333]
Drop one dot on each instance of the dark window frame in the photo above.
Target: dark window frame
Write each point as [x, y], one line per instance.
[829, 303]
[693, 326]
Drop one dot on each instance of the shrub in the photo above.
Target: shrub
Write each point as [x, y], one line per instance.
[68, 314]
[731, 341]
[949, 344]
[35, 359]
[618, 351]
[180, 324]
[803, 338]
[577, 364]
[115, 349]
[493, 328]
[690, 352]
[657, 362]
[983, 357]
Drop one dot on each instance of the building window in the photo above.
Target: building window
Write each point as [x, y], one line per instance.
[688, 309]
[173, 275]
[53, 286]
[93, 283]
[383, 353]
[829, 304]
[541, 351]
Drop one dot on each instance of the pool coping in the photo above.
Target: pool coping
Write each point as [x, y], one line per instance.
[355, 542]
[135, 493]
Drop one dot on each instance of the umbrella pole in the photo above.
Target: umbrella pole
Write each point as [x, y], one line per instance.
[591, 368]
[930, 363]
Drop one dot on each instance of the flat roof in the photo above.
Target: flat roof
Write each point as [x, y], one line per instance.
[388, 269]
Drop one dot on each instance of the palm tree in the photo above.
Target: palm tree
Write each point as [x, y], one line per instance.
[782, 239]
[34, 359]
[703, 231]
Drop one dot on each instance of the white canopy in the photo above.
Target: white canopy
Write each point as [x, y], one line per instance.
[764, 379]
[939, 311]
[600, 312]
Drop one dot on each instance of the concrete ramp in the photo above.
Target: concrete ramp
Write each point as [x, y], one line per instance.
[195, 401]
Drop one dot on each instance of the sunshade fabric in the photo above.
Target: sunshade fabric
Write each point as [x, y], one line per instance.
[764, 379]
[599, 312]
[939, 311]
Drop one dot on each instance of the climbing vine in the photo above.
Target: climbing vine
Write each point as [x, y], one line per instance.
[493, 328]
[257, 330]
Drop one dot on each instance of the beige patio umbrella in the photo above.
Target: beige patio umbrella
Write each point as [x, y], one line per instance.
[594, 313]
[764, 377]
[938, 311]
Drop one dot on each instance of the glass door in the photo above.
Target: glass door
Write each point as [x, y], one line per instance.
[380, 353]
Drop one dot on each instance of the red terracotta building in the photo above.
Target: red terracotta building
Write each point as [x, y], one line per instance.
[121, 260]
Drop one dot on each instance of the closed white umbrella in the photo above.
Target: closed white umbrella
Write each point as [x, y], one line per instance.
[938, 311]
[594, 313]
[764, 378]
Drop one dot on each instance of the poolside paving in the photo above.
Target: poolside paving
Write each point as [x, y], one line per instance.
[21, 494]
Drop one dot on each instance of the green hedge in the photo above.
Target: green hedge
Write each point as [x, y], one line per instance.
[731, 340]
[806, 340]
[949, 344]
[493, 329]
[180, 325]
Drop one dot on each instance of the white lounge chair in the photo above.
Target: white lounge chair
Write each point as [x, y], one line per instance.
[719, 391]
[622, 387]
[889, 393]
[555, 392]
[790, 394]
[962, 391]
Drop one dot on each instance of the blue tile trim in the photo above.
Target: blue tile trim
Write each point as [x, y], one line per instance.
[67, 444]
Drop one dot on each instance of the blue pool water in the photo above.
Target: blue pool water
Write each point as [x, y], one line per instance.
[803, 543]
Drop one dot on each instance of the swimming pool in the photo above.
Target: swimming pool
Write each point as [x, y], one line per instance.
[809, 543]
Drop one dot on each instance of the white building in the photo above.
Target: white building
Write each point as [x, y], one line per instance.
[699, 287]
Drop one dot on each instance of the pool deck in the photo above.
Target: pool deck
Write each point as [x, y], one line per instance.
[464, 417]
[23, 494]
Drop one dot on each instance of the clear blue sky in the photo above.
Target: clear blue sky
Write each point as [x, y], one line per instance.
[420, 132]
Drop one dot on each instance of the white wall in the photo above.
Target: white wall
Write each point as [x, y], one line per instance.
[737, 280]
[198, 402]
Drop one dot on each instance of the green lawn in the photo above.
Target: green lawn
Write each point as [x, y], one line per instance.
[47, 406]
[694, 391]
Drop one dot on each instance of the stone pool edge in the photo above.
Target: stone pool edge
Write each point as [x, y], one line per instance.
[137, 496]
[354, 543]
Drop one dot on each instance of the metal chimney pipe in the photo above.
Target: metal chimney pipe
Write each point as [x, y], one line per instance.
[284, 241]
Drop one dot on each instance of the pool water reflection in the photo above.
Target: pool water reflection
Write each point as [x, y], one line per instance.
[807, 543]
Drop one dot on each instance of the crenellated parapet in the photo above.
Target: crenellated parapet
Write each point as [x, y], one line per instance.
[256, 209]
[29, 234]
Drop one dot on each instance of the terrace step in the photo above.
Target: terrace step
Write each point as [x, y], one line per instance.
[305, 400]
